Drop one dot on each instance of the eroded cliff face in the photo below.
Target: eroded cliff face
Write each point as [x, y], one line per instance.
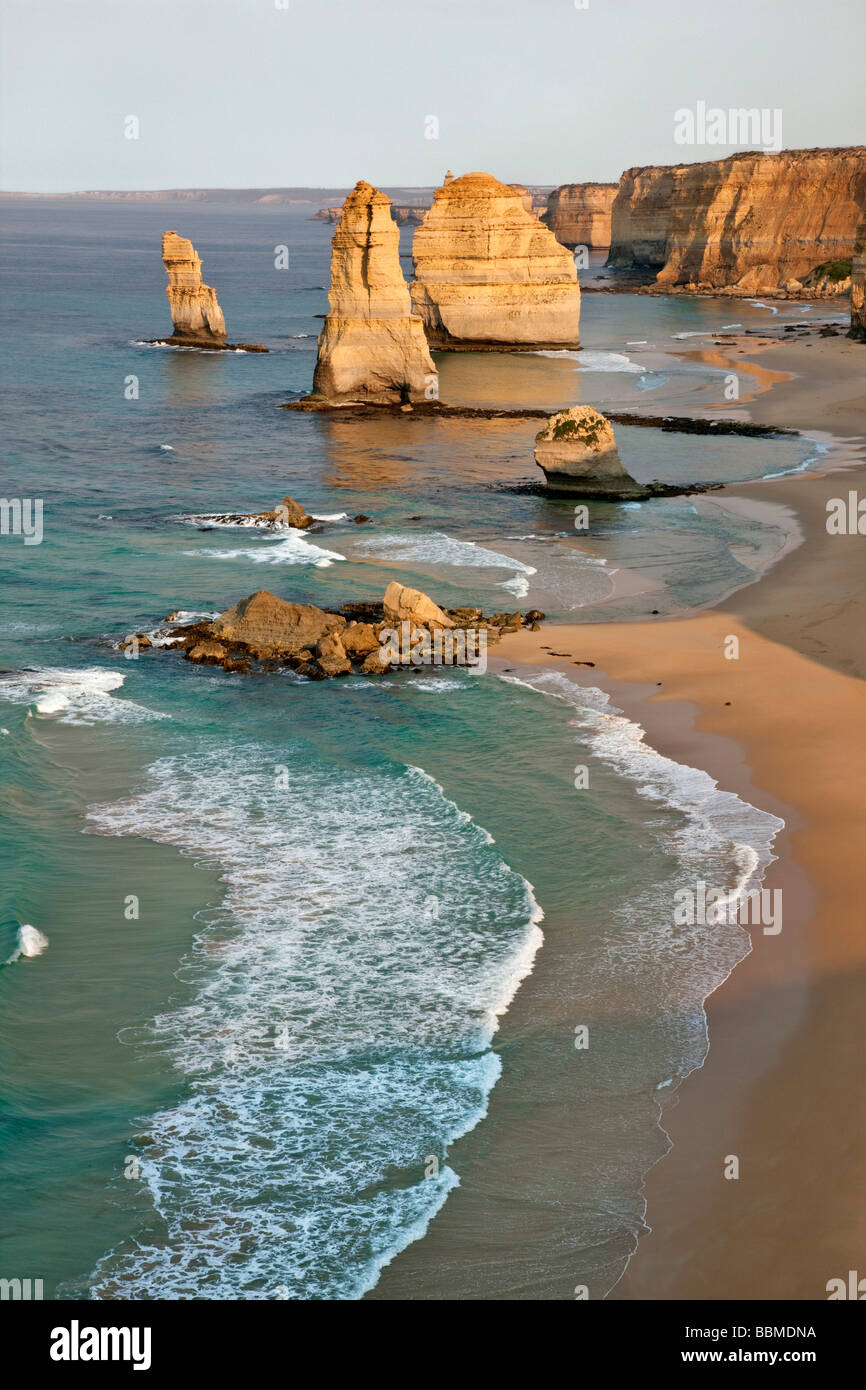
[488, 274]
[195, 313]
[753, 223]
[371, 348]
[858, 284]
[639, 217]
[578, 214]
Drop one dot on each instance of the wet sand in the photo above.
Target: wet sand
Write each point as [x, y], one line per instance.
[782, 1086]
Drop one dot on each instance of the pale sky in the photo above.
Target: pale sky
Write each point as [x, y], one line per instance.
[247, 93]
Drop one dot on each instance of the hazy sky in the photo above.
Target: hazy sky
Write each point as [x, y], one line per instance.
[243, 93]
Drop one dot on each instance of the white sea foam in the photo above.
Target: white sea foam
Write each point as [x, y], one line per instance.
[590, 361]
[292, 548]
[708, 332]
[437, 548]
[78, 696]
[335, 1025]
[713, 835]
[30, 943]
[820, 450]
[716, 818]
[164, 636]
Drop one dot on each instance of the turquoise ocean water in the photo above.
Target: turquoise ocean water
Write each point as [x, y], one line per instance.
[284, 919]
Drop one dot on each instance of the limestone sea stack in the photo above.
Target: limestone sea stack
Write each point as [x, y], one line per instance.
[751, 224]
[578, 214]
[489, 275]
[197, 317]
[372, 349]
[578, 454]
[858, 284]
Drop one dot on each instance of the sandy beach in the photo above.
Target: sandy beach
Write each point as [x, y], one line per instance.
[783, 726]
[786, 1030]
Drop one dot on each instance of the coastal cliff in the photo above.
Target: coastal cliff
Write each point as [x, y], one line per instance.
[404, 215]
[753, 223]
[858, 284]
[488, 274]
[371, 349]
[578, 214]
[195, 313]
[639, 217]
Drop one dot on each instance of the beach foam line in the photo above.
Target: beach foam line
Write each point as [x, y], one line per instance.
[335, 1026]
[80, 696]
[437, 548]
[592, 361]
[716, 819]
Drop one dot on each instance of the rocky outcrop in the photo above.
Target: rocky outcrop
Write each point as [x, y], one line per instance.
[267, 633]
[753, 223]
[858, 284]
[578, 454]
[196, 315]
[488, 274]
[405, 604]
[286, 513]
[372, 349]
[269, 626]
[578, 214]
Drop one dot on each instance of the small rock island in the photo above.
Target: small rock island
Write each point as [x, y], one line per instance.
[577, 452]
[197, 319]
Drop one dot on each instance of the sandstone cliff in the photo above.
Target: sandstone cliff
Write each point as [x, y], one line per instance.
[524, 194]
[858, 284]
[639, 217]
[196, 315]
[488, 274]
[578, 214]
[371, 349]
[753, 223]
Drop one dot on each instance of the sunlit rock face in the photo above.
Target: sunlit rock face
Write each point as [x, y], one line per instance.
[371, 348]
[489, 274]
[858, 284]
[578, 214]
[195, 312]
[754, 223]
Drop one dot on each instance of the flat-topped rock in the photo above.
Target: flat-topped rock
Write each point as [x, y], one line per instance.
[489, 274]
[270, 626]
